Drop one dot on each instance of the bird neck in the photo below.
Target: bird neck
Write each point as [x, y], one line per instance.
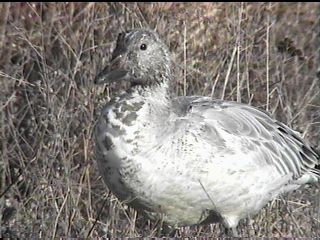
[156, 96]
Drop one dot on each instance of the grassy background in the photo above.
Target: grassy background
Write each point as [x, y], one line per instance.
[264, 54]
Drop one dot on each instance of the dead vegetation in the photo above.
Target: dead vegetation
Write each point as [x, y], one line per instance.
[264, 54]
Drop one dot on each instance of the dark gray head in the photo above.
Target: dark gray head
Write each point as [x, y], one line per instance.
[139, 57]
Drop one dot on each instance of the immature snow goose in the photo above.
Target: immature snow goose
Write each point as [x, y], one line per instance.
[190, 159]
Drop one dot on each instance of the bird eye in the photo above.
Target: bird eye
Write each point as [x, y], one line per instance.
[143, 46]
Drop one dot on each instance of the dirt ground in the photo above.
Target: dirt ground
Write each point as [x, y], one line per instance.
[263, 54]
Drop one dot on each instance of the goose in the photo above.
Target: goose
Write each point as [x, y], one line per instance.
[190, 160]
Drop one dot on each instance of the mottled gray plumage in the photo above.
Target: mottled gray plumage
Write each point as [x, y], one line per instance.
[190, 159]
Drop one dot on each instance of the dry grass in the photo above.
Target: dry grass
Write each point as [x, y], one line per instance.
[263, 54]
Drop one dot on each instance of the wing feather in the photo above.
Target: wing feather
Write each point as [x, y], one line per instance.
[280, 145]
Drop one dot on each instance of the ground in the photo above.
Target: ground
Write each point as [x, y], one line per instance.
[263, 54]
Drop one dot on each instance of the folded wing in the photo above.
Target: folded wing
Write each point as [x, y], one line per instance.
[257, 131]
